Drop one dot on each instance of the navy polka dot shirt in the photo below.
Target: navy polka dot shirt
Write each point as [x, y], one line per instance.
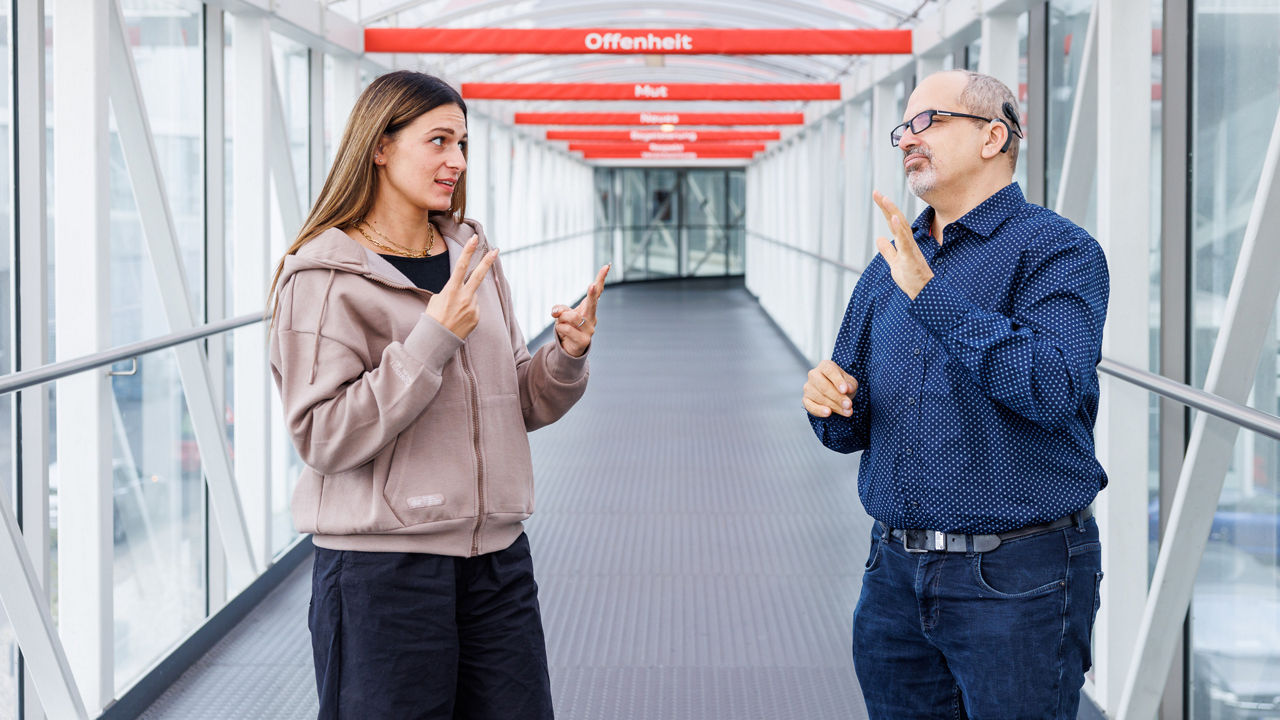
[976, 401]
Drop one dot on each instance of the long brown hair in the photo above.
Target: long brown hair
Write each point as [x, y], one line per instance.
[387, 106]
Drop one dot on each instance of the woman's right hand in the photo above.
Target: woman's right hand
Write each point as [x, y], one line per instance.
[455, 306]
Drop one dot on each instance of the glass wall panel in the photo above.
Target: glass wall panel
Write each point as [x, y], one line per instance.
[605, 209]
[8, 670]
[706, 222]
[165, 38]
[1235, 605]
[158, 516]
[1235, 97]
[1235, 608]
[672, 223]
[1154, 188]
[1028, 142]
[292, 70]
[1068, 24]
[292, 73]
[737, 203]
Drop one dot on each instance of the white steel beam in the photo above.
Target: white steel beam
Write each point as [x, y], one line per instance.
[30, 288]
[1080, 159]
[215, 238]
[1231, 371]
[25, 604]
[81, 305]
[30, 298]
[143, 166]
[346, 88]
[251, 249]
[1124, 202]
[999, 55]
[316, 160]
[857, 205]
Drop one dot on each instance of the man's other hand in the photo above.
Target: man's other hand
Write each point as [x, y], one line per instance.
[829, 389]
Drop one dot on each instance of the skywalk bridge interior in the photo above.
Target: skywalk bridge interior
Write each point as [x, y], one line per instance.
[698, 552]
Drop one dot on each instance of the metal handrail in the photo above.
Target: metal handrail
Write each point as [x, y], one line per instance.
[14, 382]
[1242, 415]
[802, 251]
[548, 241]
[48, 373]
[1216, 405]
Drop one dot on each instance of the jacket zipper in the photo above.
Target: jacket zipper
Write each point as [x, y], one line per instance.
[475, 447]
[475, 421]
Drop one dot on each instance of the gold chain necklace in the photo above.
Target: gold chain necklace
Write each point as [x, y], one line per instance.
[394, 247]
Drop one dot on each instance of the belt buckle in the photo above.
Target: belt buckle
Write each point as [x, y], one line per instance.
[922, 541]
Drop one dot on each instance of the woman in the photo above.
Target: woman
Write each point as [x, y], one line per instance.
[409, 393]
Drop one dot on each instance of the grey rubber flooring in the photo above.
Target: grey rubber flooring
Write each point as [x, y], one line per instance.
[699, 553]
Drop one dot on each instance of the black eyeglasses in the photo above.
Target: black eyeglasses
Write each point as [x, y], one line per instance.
[924, 120]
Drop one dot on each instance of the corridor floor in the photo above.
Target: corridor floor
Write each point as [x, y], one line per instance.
[699, 553]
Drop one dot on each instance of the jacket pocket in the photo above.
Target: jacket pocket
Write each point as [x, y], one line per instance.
[432, 472]
[351, 502]
[508, 477]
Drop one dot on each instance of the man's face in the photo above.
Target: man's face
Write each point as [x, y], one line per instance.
[949, 149]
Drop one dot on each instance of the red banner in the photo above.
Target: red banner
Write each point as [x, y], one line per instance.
[642, 155]
[650, 91]
[677, 135]
[693, 41]
[659, 118]
[699, 147]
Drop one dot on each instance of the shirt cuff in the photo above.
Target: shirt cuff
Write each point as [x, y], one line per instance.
[938, 307]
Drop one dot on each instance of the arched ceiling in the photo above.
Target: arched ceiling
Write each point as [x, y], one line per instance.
[653, 69]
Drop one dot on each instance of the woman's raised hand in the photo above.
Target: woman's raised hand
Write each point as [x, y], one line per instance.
[575, 326]
[455, 305]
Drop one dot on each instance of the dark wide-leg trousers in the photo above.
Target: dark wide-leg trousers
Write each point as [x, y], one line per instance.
[412, 635]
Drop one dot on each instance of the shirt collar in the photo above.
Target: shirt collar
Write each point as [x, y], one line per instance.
[984, 219]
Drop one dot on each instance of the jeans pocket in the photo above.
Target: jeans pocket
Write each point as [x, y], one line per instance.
[873, 557]
[1028, 567]
[1093, 617]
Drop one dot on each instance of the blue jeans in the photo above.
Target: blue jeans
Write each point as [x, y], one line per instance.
[1003, 634]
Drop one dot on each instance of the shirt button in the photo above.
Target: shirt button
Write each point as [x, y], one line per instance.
[917, 351]
[911, 401]
[914, 504]
[908, 451]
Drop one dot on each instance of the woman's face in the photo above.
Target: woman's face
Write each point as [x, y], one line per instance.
[424, 161]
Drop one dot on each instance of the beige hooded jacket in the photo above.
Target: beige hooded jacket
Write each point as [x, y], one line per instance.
[414, 440]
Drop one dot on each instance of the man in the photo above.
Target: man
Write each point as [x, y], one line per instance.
[965, 370]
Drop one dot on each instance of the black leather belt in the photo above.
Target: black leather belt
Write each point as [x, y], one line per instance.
[919, 541]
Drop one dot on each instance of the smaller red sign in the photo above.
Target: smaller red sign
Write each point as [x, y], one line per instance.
[650, 91]
[700, 147]
[677, 135]
[646, 155]
[658, 118]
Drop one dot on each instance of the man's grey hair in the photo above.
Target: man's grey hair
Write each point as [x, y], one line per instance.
[986, 96]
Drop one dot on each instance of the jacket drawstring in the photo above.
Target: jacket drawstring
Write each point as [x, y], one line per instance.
[324, 306]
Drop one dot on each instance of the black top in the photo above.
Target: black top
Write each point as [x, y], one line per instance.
[429, 273]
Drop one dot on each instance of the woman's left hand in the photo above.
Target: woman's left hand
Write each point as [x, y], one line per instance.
[575, 326]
